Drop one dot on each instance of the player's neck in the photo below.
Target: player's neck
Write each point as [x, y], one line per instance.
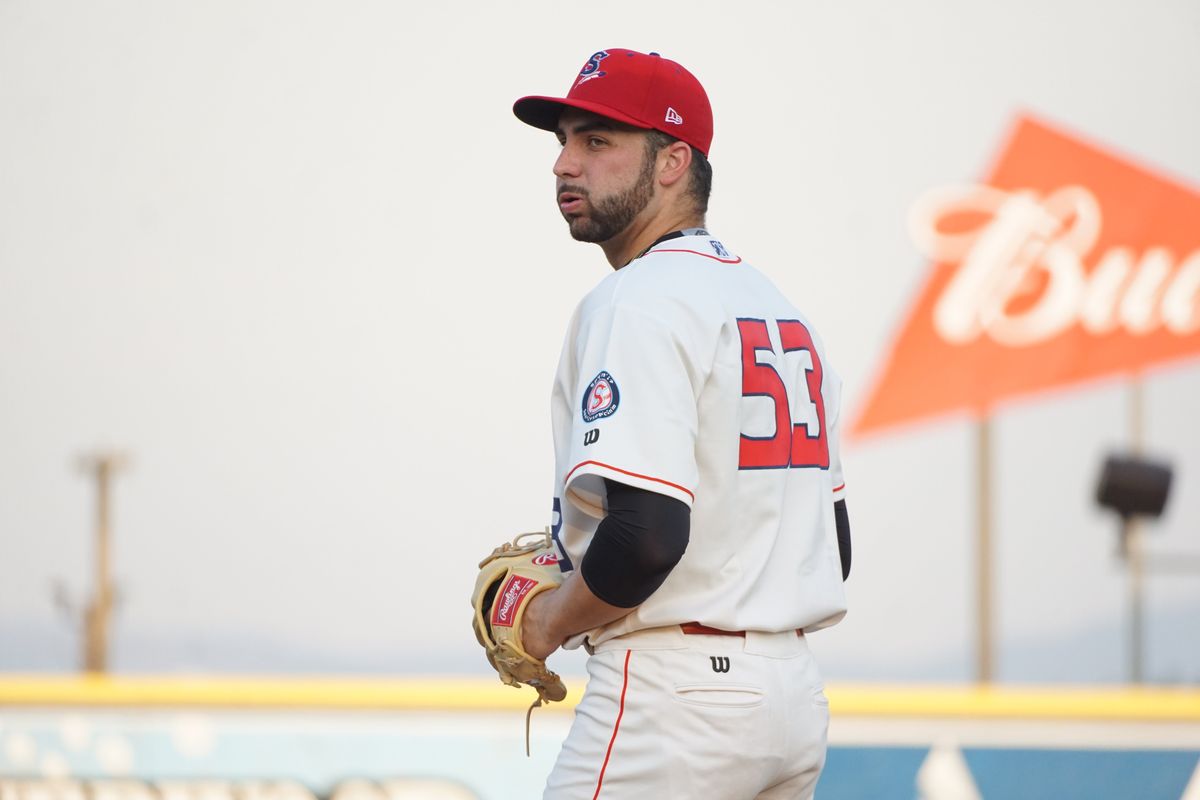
[641, 234]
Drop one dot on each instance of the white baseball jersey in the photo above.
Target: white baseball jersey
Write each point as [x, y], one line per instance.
[688, 373]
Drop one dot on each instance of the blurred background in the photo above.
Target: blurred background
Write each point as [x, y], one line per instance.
[293, 272]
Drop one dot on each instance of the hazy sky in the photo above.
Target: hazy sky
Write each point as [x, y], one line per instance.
[302, 263]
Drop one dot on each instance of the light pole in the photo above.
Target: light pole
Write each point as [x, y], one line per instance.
[97, 614]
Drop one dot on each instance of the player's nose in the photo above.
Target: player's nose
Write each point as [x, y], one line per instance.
[566, 165]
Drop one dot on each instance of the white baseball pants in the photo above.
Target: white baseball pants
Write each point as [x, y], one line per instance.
[674, 716]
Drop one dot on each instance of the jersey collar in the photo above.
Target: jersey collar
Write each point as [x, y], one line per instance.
[668, 237]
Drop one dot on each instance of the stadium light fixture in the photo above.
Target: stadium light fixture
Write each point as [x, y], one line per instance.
[1134, 488]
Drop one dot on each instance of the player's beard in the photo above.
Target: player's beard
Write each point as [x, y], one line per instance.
[611, 215]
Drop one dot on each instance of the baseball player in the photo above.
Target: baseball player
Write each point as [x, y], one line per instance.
[698, 511]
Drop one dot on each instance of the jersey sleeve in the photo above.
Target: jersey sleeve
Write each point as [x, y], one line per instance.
[634, 417]
[836, 475]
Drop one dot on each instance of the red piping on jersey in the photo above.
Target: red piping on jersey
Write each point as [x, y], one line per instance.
[616, 727]
[567, 479]
[839, 488]
[737, 260]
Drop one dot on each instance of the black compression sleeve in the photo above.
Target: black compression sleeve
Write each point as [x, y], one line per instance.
[843, 533]
[636, 546]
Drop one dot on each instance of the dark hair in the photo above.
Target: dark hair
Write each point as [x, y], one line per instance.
[700, 174]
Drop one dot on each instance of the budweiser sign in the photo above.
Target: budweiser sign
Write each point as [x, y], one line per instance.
[1067, 264]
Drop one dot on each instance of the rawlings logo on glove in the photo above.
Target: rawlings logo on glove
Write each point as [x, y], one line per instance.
[514, 592]
[514, 573]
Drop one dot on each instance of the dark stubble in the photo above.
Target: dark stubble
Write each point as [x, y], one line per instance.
[611, 215]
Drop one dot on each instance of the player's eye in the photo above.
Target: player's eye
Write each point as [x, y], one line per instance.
[596, 141]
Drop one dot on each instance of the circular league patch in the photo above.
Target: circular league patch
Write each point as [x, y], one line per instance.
[601, 398]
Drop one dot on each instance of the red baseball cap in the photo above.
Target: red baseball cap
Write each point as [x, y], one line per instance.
[639, 89]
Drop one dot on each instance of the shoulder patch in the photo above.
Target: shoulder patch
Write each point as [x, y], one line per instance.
[601, 398]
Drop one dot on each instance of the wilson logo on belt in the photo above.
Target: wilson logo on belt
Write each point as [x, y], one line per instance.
[511, 597]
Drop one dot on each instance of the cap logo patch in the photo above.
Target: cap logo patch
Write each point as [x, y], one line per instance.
[592, 68]
[601, 398]
[673, 116]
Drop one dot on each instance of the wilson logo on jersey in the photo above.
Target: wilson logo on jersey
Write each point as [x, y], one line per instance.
[511, 596]
[601, 398]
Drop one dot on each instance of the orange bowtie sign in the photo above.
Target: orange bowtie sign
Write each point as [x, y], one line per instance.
[1068, 264]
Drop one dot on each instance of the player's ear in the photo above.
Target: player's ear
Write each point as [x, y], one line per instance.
[674, 161]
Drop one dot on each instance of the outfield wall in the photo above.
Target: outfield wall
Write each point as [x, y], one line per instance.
[176, 738]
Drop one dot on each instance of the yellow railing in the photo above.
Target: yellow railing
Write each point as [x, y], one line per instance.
[483, 694]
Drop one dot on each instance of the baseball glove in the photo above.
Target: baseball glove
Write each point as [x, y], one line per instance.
[508, 578]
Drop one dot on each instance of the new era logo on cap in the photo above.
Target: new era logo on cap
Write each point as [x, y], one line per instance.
[640, 89]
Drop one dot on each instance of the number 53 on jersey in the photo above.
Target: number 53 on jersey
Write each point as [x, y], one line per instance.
[787, 385]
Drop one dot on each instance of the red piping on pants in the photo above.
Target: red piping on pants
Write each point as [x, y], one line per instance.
[616, 726]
